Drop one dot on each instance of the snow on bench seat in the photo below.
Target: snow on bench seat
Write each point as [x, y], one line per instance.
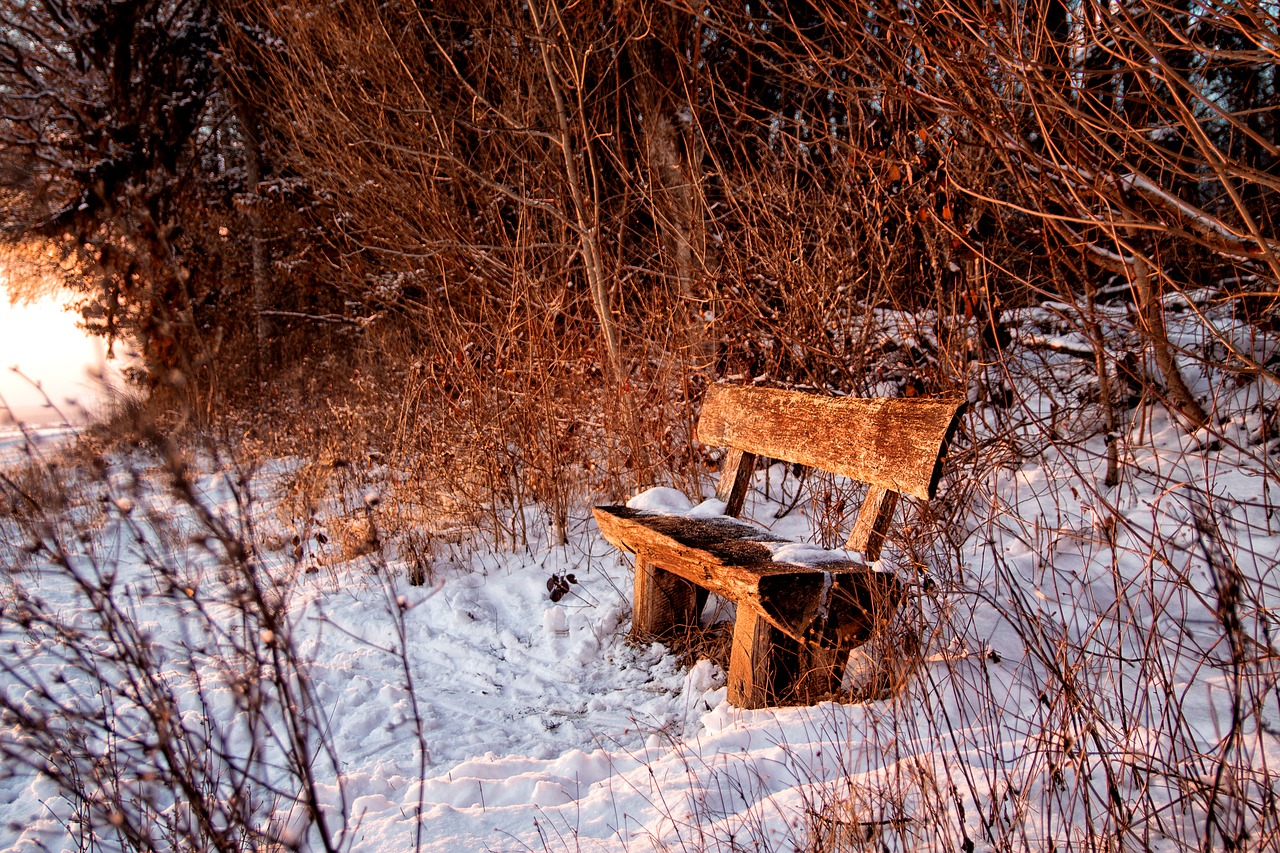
[810, 594]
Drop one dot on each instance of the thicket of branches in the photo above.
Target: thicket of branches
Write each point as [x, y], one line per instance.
[572, 202]
[654, 194]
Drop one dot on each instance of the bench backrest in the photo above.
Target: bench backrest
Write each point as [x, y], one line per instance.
[894, 445]
[897, 444]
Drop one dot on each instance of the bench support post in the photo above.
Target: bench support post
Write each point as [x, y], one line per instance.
[821, 671]
[873, 522]
[751, 660]
[735, 480]
[663, 602]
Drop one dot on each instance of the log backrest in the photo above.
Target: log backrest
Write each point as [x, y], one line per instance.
[894, 445]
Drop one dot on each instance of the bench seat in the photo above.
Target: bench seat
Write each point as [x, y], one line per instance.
[824, 598]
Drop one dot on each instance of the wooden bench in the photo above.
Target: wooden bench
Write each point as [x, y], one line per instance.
[796, 620]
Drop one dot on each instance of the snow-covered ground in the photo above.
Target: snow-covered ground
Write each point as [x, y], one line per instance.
[540, 723]
[1093, 666]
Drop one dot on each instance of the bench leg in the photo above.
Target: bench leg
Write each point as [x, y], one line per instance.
[663, 602]
[767, 668]
[751, 661]
[820, 671]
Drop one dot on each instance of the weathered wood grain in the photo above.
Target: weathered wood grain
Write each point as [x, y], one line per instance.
[894, 443]
[723, 556]
[820, 671]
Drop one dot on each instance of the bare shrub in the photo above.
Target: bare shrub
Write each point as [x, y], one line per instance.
[134, 731]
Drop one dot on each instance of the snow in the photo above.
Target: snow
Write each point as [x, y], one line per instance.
[661, 499]
[1070, 638]
[14, 442]
[710, 508]
[802, 554]
[667, 501]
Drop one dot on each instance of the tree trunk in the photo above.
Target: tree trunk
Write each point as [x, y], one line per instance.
[1105, 400]
[585, 194]
[672, 156]
[1151, 310]
[586, 214]
[257, 249]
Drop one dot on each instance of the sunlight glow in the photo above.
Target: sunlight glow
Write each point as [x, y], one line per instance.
[45, 343]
